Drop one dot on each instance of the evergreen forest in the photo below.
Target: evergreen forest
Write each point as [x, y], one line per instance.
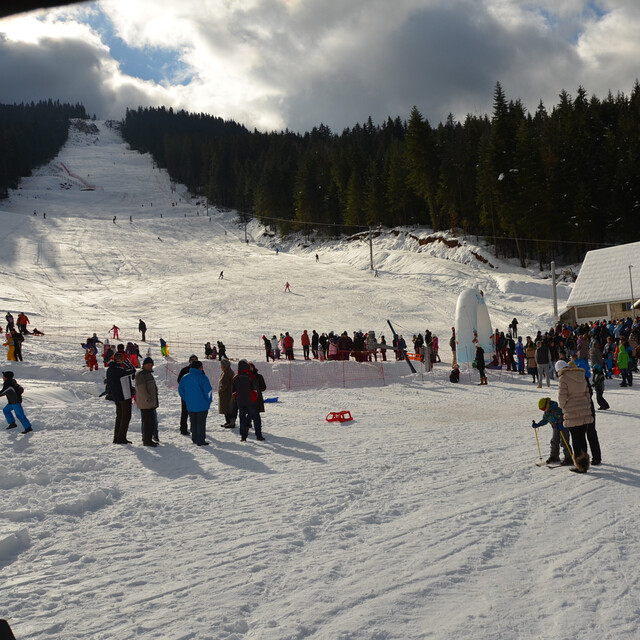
[31, 135]
[548, 185]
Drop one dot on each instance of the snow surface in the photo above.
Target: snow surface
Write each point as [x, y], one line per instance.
[425, 517]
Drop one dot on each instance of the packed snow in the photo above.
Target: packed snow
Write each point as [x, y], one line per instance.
[424, 517]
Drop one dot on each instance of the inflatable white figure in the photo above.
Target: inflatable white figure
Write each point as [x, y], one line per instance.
[472, 326]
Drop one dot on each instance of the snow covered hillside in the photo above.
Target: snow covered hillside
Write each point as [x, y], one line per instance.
[425, 517]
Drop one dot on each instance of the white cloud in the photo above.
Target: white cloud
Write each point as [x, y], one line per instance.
[278, 63]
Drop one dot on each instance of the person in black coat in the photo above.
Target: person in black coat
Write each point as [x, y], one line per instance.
[245, 388]
[142, 328]
[18, 339]
[184, 414]
[119, 390]
[480, 365]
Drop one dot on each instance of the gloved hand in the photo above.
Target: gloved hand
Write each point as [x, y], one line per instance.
[560, 427]
[534, 424]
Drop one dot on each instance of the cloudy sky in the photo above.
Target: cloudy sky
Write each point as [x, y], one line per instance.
[273, 64]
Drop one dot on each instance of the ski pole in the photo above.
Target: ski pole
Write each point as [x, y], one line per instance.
[568, 447]
[538, 441]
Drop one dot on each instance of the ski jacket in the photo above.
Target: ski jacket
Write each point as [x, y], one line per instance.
[305, 341]
[196, 391]
[245, 388]
[12, 391]
[623, 358]
[119, 380]
[146, 390]
[574, 397]
[553, 415]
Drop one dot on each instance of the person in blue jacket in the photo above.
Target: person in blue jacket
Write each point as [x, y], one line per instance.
[197, 393]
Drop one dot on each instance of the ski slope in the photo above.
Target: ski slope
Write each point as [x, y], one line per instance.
[425, 517]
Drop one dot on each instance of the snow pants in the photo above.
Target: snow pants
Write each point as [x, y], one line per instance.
[556, 440]
[16, 408]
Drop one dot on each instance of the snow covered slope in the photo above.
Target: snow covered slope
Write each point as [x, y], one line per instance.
[423, 518]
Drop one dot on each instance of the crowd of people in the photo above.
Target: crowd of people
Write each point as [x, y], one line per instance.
[581, 358]
[360, 346]
[239, 396]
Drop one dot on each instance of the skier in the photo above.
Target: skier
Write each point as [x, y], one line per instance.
[221, 276]
[287, 288]
[91, 358]
[13, 392]
[142, 328]
[164, 348]
[115, 331]
[222, 350]
[553, 416]
[9, 343]
[22, 322]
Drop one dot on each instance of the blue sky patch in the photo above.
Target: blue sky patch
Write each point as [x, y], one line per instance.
[152, 64]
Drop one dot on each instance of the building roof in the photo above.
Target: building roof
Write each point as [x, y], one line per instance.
[604, 276]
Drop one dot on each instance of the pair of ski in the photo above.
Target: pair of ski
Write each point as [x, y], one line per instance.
[551, 465]
[555, 465]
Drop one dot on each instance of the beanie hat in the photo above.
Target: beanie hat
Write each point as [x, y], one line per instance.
[8, 375]
[196, 364]
[243, 364]
[147, 361]
[560, 365]
[225, 363]
[543, 403]
[193, 357]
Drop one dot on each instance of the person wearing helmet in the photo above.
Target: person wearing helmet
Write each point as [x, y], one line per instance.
[553, 416]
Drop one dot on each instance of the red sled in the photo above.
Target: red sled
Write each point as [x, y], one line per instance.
[339, 416]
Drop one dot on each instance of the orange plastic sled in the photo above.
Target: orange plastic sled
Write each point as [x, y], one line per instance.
[339, 416]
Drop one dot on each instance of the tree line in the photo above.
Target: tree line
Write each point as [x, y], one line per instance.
[31, 135]
[548, 185]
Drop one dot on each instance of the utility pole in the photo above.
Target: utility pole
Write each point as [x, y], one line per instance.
[555, 292]
[631, 285]
[371, 248]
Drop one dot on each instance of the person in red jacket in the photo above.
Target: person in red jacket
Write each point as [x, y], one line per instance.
[305, 341]
[287, 343]
[22, 323]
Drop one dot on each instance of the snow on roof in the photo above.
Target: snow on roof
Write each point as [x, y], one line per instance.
[604, 276]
